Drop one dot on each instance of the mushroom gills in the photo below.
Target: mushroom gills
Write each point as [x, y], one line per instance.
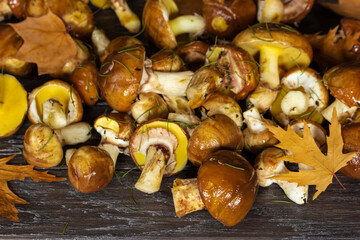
[156, 159]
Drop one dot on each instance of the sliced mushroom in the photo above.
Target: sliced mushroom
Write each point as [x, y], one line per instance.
[158, 148]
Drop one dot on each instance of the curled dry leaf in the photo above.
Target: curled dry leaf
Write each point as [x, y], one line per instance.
[8, 199]
[46, 43]
[304, 150]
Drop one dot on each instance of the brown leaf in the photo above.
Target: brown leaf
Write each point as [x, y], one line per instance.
[304, 150]
[46, 43]
[12, 172]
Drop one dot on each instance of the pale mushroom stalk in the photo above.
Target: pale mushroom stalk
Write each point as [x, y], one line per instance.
[295, 103]
[193, 24]
[127, 17]
[54, 114]
[343, 111]
[100, 41]
[269, 68]
[74, 133]
[270, 10]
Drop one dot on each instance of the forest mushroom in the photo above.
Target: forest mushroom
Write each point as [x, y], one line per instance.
[10, 43]
[286, 11]
[257, 136]
[193, 54]
[127, 17]
[13, 105]
[351, 137]
[56, 104]
[43, 146]
[162, 30]
[228, 186]
[277, 45]
[269, 164]
[166, 60]
[343, 81]
[303, 95]
[84, 79]
[347, 8]
[227, 18]
[339, 45]
[100, 41]
[149, 106]
[220, 103]
[158, 148]
[214, 133]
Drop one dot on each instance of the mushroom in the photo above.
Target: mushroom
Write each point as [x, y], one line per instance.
[91, 168]
[228, 186]
[127, 17]
[84, 79]
[277, 45]
[10, 43]
[339, 45]
[286, 11]
[162, 30]
[56, 104]
[227, 18]
[351, 137]
[269, 164]
[193, 54]
[303, 95]
[256, 135]
[43, 146]
[343, 81]
[348, 8]
[5, 11]
[100, 41]
[214, 133]
[149, 106]
[220, 103]
[158, 148]
[166, 60]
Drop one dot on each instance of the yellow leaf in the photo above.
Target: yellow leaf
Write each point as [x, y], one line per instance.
[304, 150]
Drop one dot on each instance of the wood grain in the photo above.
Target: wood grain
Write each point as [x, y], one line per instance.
[112, 213]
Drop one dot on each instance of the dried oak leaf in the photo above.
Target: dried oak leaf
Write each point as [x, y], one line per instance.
[304, 150]
[46, 43]
[17, 172]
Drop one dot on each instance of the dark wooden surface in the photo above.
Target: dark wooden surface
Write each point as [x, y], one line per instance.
[110, 213]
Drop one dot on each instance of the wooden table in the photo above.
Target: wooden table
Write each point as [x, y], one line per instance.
[112, 213]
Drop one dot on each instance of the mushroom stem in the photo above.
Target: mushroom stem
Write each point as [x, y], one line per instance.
[269, 70]
[295, 193]
[270, 10]
[153, 171]
[262, 97]
[74, 133]
[167, 83]
[192, 24]
[127, 18]
[295, 103]
[343, 111]
[112, 150]
[100, 41]
[54, 114]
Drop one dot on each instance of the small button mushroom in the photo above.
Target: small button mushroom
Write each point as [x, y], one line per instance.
[228, 186]
[43, 146]
[339, 45]
[90, 169]
[56, 104]
[214, 133]
[127, 17]
[10, 43]
[256, 135]
[278, 46]
[149, 106]
[162, 30]
[158, 148]
[351, 137]
[286, 11]
[347, 93]
[220, 103]
[303, 95]
[193, 54]
[269, 164]
[227, 18]
[166, 60]
[84, 78]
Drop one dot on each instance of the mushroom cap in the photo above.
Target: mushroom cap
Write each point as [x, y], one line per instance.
[227, 18]
[214, 133]
[344, 83]
[90, 169]
[61, 91]
[296, 10]
[193, 54]
[294, 48]
[42, 147]
[119, 44]
[166, 60]
[149, 106]
[228, 186]
[166, 134]
[120, 76]
[156, 18]
[351, 137]
[84, 78]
